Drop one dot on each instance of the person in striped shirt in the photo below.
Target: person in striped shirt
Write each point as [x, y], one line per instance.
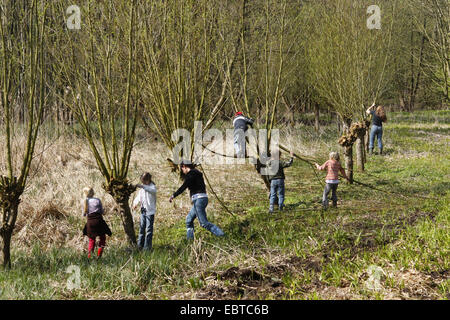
[333, 167]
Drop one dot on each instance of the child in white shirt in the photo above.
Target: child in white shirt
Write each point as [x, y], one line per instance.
[146, 198]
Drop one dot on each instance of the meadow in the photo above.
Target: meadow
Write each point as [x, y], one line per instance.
[390, 244]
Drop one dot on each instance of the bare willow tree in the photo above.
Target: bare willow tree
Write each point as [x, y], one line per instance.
[347, 64]
[258, 81]
[98, 68]
[22, 59]
[437, 33]
[184, 81]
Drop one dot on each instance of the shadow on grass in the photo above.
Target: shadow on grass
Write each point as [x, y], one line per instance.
[58, 259]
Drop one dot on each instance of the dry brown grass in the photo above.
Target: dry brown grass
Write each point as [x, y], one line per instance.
[50, 212]
[50, 215]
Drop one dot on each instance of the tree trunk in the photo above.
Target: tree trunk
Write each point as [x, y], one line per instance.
[338, 125]
[360, 158]
[401, 102]
[348, 151]
[367, 139]
[6, 236]
[6, 231]
[121, 192]
[348, 156]
[316, 117]
[127, 220]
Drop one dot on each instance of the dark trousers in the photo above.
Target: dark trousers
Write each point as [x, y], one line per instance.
[333, 188]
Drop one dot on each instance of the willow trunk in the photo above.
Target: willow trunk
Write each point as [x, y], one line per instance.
[360, 153]
[348, 158]
[127, 220]
[7, 232]
[348, 152]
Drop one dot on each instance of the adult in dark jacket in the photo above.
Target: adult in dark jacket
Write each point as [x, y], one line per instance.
[274, 169]
[240, 124]
[378, 117]
[193, 180]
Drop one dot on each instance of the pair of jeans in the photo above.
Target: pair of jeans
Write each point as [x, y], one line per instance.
[333, 188]
[277, 189]
[198, 210]
[146, 230]
[239, 143]
[378, 132]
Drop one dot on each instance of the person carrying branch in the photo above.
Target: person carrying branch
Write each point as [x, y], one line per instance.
[378, 117]
[95, 226]
[274, 169]
[146, 198]
[240, 123]
[193, 180]
[333, 167]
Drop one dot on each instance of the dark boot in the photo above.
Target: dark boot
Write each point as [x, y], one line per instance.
[381, 151]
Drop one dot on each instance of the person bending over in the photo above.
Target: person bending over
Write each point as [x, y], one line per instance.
[193, 180]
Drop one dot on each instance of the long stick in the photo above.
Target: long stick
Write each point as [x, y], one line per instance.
[310, 162]
[215, 194]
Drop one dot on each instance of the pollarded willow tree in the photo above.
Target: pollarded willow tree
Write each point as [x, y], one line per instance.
[258, 80]
[199, 56]
[348, 62]
[97, 64]
[22, 87]
[184, 79]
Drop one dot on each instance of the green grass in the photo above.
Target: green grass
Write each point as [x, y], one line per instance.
[301, 253]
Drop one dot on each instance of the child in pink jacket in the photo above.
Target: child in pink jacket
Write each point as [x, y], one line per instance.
[333, 167]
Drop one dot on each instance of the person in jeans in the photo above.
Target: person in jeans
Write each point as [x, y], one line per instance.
[147, 199]
[378, 117]
[333, 167]
[275, 171]
[95, 225]
[193, 180]
[240, 124]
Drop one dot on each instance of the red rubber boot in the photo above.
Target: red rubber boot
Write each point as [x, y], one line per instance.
[91, 247]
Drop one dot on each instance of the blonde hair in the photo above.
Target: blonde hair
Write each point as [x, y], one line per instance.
[334, 156]
[88, 192]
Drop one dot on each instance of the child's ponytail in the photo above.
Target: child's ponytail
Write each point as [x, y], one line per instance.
[88, 193]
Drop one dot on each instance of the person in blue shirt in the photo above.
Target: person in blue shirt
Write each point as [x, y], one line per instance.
[378, 117]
